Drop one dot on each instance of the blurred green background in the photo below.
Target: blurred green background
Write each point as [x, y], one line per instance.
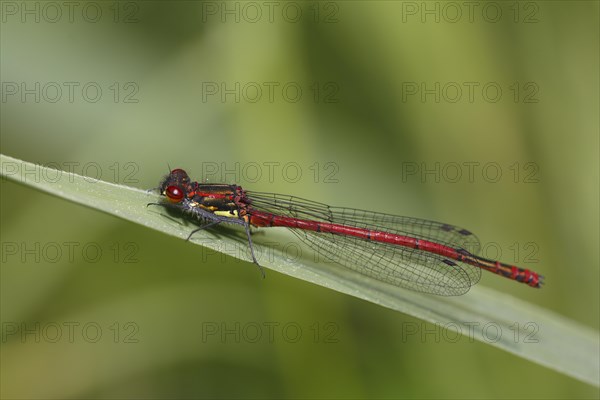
[361, 98]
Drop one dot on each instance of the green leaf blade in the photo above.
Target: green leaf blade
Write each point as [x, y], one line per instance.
[528, 331]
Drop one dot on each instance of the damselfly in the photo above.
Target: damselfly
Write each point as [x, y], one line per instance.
[412, 253]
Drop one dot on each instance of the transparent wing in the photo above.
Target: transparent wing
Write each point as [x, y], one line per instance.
[401, 266]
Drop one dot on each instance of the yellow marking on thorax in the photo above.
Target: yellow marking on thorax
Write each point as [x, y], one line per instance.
[230, 214]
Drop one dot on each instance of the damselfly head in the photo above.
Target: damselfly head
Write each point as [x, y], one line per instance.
[177, 178]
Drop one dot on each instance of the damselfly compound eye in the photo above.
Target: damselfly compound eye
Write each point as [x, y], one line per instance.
[174, 194]
[178, 171]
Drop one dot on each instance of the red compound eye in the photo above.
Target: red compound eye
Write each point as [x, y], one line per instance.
[174, 194]
[178, 171]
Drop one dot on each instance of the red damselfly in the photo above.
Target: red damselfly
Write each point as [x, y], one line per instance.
[412, 253]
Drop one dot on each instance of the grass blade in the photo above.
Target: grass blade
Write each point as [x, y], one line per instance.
[527, 331]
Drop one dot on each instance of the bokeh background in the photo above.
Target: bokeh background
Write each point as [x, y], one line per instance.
[484, 116]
